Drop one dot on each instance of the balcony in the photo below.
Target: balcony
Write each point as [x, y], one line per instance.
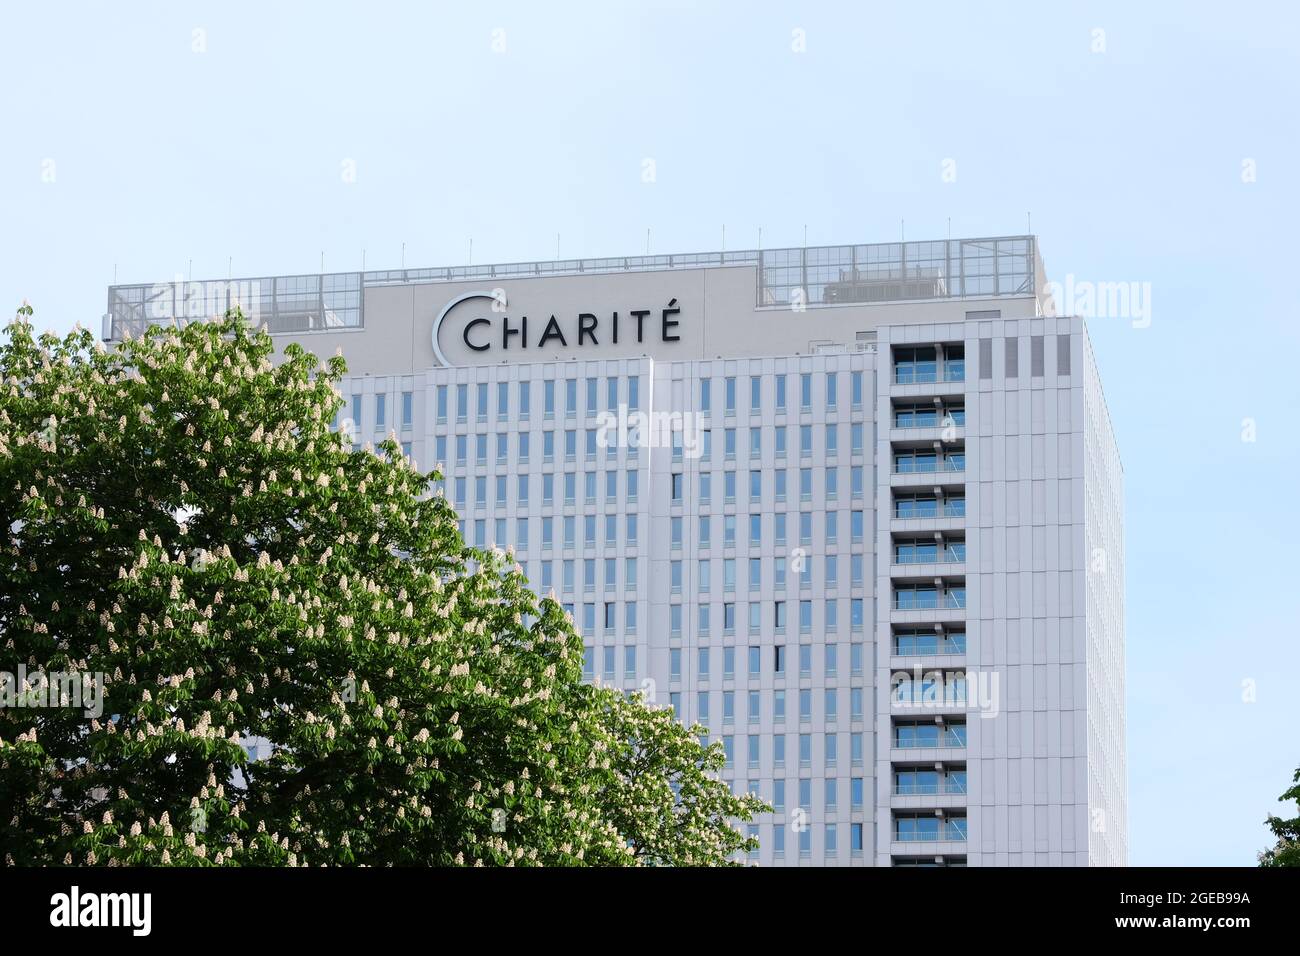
[922, 561]
[945, 383]
[918, 605]
[924, 416]
[929, 464]
[928, 471]
[948, 785]
[930, 830]
[910, 506]
[941, 647]
[921, 789]
[953, 554]
[913, 513]
[912, 697]
[929, 599]
[928, 862]
[945, 432]
[929, 372]
[929, 737]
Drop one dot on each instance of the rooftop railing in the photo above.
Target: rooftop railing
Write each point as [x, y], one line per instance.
[794, 277]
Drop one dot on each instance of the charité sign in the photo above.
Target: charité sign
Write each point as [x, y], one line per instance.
[480, 322]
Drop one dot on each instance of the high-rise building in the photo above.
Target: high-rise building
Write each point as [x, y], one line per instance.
[855, 509]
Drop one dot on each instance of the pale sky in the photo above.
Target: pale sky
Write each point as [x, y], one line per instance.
[1150, 143]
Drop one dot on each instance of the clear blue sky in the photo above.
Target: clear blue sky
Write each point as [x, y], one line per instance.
[1130, 161]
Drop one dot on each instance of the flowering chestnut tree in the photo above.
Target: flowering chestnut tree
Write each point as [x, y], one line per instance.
[1286, 851]
[194, 559]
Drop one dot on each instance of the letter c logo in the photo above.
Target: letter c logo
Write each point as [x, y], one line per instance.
[465, 334]
[437, 323]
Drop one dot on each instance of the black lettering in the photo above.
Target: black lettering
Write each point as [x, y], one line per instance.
[465, 334]
[640, 315]
[670, 324]
[616, 328]
[507, 331]
[552, 332]
[587, 327]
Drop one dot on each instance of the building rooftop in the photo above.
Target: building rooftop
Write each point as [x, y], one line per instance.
[811, 276]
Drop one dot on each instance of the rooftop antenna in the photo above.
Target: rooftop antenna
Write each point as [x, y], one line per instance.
[363, 258]
[647, 240]
[760, 238]
[114, 273]
[229, 260]
[322, 262]
[950, 228]
[724, 237]
[470, 261]
[1029, 223]
[557, 245]
[403, 255]
[805, 235]
[901, 231]
[191, 271]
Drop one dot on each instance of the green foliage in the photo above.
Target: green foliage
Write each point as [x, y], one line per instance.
[664, 793]
[180, 518]
[1286, 852]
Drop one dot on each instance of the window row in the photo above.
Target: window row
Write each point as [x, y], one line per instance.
[759, 746]
[590, 487]
[518, 446]
[614, 392]
[772, 704]
[828, 488]
[821, 390]
[500, 491]
[707, 615]
[807, 446]
[835, 793]
[354, 421]
[590, 529]
[803, 837]
[766, 573]
[721, 662]
[499, 444]
[476, 532]
[776, 613]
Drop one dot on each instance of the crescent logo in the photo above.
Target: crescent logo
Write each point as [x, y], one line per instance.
[437, 323]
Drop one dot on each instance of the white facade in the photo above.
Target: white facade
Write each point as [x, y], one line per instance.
[903, 467]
